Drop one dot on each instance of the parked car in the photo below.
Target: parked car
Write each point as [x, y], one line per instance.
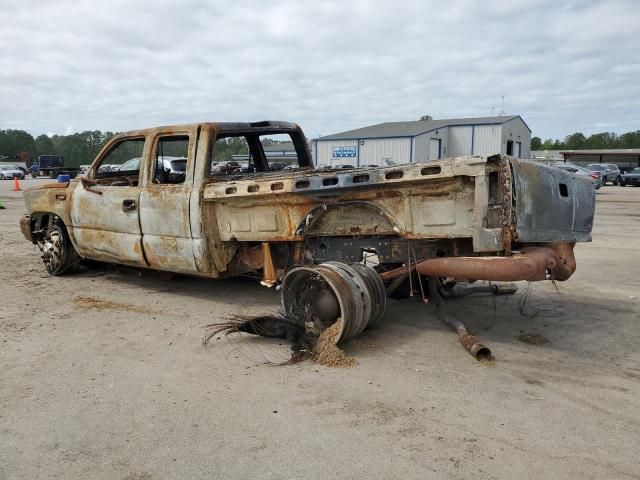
[608, 171]
[276, 166]
[9, 172]
[225, 168]
[173, 169]
[582, 172]
[108, 168]
[631, 178]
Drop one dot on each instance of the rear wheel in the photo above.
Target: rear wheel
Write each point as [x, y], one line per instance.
[617, 181]
[604, 180]
[58, 254]
[2, 177]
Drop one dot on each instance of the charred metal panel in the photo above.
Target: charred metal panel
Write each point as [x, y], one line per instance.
[434, 200]
[551, 204]
[25, 228]
[108, 246]
[47, 199]
[106, 225]
[446, 216]
[348, 218]
[169, 253]
[164, 210]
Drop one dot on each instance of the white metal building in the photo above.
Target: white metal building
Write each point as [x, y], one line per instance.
[424, 140]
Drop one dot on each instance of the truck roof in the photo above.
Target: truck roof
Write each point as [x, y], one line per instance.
[259, 127]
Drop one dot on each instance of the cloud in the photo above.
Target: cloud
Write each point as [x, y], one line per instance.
[329, 66]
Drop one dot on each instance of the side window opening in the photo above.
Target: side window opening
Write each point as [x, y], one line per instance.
[170, 160]
[250, 153]
[121, 165]
[230, 155]
[280, 152]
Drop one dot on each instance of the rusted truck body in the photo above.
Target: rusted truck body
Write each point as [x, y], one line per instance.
[169, 198]
[219, 225]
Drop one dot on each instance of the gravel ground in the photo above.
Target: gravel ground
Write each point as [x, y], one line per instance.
[103, 376]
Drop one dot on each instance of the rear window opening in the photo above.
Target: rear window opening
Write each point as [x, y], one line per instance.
[250, 153]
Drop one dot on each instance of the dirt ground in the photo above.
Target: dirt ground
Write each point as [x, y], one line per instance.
[103, 376]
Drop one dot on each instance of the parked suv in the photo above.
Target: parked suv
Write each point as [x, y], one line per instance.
[608, 171]
[582, 172]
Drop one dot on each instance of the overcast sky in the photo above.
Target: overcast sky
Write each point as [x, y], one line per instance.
[69, 66]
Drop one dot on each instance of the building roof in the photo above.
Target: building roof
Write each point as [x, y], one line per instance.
[415, 128]
[620, 152]
[280, 147]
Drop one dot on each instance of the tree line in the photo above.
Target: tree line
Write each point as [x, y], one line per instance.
[577, 141]
[81, 148]
[77, 148]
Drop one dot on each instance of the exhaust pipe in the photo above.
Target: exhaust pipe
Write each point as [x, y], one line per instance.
[553, 262]
[471, 344]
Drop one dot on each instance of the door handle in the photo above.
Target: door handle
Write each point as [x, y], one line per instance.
[128, 205]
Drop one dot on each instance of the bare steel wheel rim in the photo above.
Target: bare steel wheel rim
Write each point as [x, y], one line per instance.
[53, 249]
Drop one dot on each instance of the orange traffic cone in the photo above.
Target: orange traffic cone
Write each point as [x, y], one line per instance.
[16, 184]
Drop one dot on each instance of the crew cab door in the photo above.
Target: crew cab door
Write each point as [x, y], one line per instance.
[105, 206]
[164, 200]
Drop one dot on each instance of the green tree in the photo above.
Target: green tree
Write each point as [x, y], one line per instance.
[575, 141]
[44, 145]
[629, 140]
[13, 142]
[536, 143]
[547, 144]
[602, 140]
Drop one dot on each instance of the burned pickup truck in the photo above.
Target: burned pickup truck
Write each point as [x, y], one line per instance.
[155, 199]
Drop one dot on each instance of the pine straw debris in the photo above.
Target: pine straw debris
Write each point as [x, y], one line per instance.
[321, 349]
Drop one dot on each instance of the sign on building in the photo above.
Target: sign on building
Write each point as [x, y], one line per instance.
[343, 152]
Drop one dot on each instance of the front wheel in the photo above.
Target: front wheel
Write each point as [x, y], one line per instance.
[616, 182]
[58, 254]
[2, 177]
